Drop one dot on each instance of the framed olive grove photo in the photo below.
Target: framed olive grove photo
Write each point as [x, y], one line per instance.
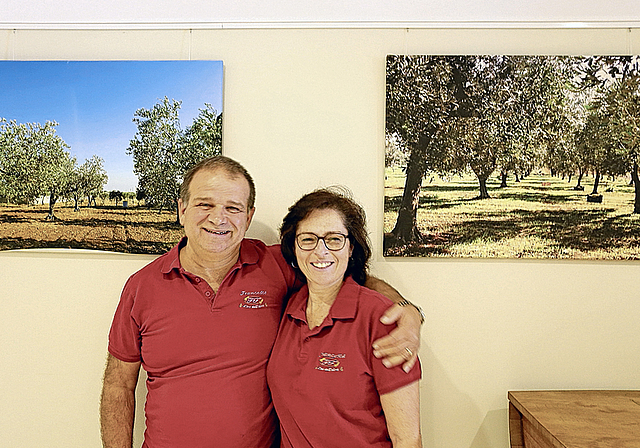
[500, 156]
[92, 153]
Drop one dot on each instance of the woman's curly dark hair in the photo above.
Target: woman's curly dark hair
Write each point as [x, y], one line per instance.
[353, 216]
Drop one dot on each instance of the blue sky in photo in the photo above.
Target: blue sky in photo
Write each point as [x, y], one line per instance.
[94, 102]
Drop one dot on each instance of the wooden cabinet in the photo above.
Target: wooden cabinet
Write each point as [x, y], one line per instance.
[574, 419]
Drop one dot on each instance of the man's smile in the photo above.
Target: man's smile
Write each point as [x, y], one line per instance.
[217, 232]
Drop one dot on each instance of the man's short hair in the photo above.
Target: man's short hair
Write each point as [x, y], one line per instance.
[227, 164]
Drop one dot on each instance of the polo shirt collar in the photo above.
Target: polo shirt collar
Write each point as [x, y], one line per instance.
[172, 258]
[248, 252]
[345, 306]
[248, 255]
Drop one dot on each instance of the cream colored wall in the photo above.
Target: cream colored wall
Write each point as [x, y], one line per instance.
[295, 102]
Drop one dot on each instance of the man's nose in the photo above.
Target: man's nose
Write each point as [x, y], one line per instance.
[217, 216]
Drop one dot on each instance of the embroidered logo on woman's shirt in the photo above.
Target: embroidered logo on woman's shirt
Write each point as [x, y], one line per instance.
[331, 362]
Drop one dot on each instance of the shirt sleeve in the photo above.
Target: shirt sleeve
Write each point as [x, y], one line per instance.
[124, 336]
[293, 283]
[387, 380]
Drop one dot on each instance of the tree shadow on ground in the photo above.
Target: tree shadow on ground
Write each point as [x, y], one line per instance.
[448, 188]
[538, 196]
[130, 246]
[114, 222]
[110, 217]
[14, 219]
[392, 204]
[583, 230]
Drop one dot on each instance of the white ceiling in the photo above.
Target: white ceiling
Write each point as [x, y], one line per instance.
[317, 13]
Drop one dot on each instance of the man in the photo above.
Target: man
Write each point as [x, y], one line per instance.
[202, 319]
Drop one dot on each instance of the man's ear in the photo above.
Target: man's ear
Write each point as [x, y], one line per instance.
[250, 216]
[181, 209]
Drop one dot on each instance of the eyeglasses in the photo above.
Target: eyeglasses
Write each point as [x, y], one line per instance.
[332, 241]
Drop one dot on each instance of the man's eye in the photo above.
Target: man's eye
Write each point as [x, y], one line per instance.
[234, 209]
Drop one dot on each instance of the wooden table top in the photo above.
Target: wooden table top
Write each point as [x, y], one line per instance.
[583, 418]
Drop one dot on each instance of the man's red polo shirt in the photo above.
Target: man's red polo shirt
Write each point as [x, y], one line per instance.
[325, 382]
[205, 354]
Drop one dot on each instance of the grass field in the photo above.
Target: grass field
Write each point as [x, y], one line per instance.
[539, 217]
[116, 229]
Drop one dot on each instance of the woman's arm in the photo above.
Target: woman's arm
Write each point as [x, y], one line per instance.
[402, 411]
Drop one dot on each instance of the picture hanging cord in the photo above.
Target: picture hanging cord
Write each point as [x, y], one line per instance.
[14, 36]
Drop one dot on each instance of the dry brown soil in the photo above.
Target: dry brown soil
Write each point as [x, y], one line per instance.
[116, 229]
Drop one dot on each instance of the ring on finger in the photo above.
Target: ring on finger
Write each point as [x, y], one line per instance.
[409, 351]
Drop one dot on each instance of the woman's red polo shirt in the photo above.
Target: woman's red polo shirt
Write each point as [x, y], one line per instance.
[325, 382]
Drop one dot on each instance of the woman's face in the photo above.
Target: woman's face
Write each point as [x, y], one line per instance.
[323, 267]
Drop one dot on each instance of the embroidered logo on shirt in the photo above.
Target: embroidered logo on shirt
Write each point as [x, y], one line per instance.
[331, 362]
[253, 299]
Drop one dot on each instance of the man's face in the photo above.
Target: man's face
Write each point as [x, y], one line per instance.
[217, 216]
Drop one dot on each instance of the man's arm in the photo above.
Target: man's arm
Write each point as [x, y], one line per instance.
[118, 403]
[401, 345]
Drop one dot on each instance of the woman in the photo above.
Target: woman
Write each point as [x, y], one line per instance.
[327, 387]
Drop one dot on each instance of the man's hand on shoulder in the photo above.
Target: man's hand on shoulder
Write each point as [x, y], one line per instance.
[401, 345]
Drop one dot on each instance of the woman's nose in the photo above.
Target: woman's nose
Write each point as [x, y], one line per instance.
[321, 247]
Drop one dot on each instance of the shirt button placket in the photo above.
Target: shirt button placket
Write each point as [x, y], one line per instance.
[206, 290]
[209, 295]
[304, 347]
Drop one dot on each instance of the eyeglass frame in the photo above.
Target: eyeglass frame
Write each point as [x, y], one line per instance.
[318, 238]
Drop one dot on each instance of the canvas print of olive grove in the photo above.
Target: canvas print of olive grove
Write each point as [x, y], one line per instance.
[92, 153]
[512, 156]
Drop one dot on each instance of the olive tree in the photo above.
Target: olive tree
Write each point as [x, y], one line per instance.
[459, 113]
[88, 180]
[34, 162]
[162, 151]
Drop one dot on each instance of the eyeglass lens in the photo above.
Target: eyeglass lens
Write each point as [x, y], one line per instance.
[309, 241]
